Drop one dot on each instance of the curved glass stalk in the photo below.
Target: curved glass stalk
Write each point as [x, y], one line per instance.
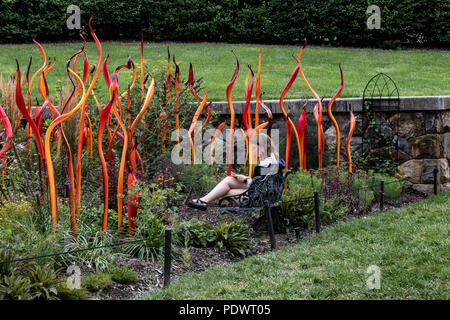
[349, 138]
[230, 105]
[333, 120]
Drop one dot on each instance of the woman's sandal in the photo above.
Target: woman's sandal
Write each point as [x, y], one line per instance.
[198, 204]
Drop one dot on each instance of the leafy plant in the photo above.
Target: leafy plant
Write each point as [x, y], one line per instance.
[364, 195]
[6, 269]
[196, 233]
[186, 256]
[27, 280]
[393, 186]
[297, 212]
[338, 195]
[44, 281]
[151, 228]
[232, 236]
[16, 287]
[360, 189]
[14, 212]
[332, 209]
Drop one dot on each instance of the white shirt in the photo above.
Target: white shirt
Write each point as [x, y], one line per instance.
[271, 163]
[268, 166]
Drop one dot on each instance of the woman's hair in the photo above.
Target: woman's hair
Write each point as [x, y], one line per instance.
[264, 140]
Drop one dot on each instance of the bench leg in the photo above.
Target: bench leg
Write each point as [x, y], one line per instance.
[273, 244]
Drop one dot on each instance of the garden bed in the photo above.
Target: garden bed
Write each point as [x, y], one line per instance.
[334, 264]
[150, 273]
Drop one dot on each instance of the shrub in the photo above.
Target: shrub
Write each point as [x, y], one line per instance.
[393, 187]
[361, 190]
[364, 195]
[297, 205]
[13, 213]
[332, 209]
[96, 281]
[336, 198]
[15, 224]
[325, 22]
[7, 269]
[91, 219]
[297, 212]
[162, 202]
[124, 275]
[201, 177]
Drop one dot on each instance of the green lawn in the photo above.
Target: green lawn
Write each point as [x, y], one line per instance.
[410, 245]
[415, 72]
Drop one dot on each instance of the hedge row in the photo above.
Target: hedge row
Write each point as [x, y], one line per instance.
[335, 22]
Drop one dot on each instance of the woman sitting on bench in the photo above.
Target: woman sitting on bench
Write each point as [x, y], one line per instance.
[235, 184]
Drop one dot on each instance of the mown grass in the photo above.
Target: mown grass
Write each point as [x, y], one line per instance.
[410, 245]
[416, 72]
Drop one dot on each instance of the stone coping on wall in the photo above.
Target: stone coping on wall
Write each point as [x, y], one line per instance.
[407, 103]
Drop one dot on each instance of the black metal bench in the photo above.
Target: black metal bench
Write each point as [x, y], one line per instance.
[264, 192]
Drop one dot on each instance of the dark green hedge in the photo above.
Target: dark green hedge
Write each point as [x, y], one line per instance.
[335, 22]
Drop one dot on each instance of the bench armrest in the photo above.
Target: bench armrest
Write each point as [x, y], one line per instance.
[286, 173]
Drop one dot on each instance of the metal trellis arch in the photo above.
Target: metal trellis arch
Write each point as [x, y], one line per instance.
[380, 99]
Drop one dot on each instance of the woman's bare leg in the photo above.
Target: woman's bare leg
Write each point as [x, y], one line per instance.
[228, 186]
[234, 192]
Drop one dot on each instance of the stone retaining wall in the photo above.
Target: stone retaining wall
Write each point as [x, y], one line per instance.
[422, 128]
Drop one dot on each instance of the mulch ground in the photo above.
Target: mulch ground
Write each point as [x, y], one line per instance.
[200, 259]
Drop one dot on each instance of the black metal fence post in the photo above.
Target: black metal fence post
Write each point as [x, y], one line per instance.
[273, 244]
[435, 183]
[167, 256]
[317, 211]
[298, 235]
[382, 195]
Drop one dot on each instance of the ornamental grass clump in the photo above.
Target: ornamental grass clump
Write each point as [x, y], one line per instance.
[124, 275]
